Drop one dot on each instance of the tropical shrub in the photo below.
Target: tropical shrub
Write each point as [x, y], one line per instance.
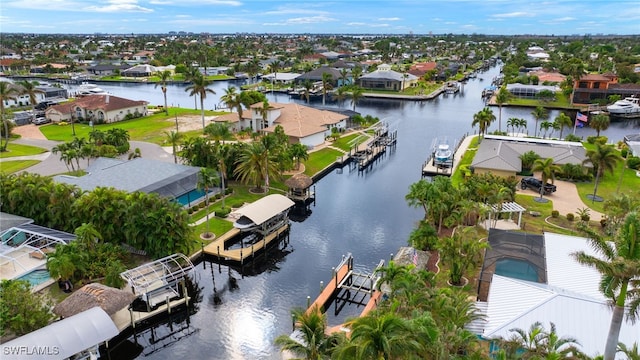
[22, 311]
[555, 213]
[570, 217]
[633, 162]
[572, 137]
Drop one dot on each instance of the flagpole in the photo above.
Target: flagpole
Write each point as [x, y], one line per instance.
[575, 124]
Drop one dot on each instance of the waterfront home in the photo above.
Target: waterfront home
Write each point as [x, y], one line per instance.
[99, 108]
[386, 79]
[528, 278]
[316, 75]
[500, 155]
[174, 181]
[107, 69]
[302, 124]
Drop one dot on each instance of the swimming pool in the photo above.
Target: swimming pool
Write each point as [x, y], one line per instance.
[517, 269]
[36, 277]
[189, 198]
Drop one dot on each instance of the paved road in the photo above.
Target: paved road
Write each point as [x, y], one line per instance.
[50, 164]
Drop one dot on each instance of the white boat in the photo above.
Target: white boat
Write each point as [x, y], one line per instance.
[443, 154]
[452, 87]
[626, 107]
[90, 89]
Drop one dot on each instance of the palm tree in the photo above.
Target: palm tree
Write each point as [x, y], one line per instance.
[502, 97]
[563, 120]
[164, 77]
[547, 170]
[600, 122]
[174, 138]
[603, 157]
[632, 353]
[539, 113]
[218, 131]
[537, 343]
[380, 336]
[29, 88]
[340, 95]
[274, 67]
[575, 68]
[512, 123]
[7, 92]
[232, 100]
[207, 179]
[356, 94]
[460, 253]
[522, 123]
[545, 125]
[251, 165]
[528, 159]
[199, 86]
[483, 119]
[299, 152]
[315, 344]
[327, 79]
[617, 261]
[307, 85]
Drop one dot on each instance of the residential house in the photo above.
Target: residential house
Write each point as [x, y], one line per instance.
[302, 124]
[141, 70]
[98, 108]
[420, 69]
[500, 155]
[20, 98]
[526, 91]
[540, 281]
[386, 79]
[316, 75]
[164, 178]
[107, 69]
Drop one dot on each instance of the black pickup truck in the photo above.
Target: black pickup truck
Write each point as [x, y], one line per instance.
[535, 184]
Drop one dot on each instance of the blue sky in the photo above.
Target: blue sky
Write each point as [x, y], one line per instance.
[507, 17]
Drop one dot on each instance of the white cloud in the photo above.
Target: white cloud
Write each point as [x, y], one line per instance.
[196, 2]
[119, 6]
[390, 19]
[302, 20]
[512, 15]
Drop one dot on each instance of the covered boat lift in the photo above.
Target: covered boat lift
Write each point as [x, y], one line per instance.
[264, 215]
[159, 280]
[78, 336]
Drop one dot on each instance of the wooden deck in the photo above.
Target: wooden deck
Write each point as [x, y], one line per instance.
[126, 318]
[217, 247]
[329, 290]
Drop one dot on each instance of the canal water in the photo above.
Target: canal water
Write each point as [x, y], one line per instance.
[363, 213]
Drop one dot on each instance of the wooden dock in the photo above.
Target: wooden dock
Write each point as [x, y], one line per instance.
[217, 247]
[430, 168]
[126, 318]
[329, 290]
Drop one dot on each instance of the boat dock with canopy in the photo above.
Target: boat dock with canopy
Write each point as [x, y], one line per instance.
[267, 217]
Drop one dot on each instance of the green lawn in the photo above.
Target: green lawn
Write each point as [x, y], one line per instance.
[561, 102]
[9, 167]
[149, 128]
[14, 150]
[347, 142]
[320, 159]
[466, 160]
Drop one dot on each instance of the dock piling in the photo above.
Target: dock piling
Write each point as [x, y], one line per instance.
[321, 285]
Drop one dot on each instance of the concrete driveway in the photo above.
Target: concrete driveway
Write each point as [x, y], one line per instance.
[565, 199]
[51, 164]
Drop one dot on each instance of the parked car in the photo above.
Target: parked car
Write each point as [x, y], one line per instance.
[41, 120]
[43, 105]
[535, 184]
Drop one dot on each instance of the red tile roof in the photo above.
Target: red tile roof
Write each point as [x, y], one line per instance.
[95, 102]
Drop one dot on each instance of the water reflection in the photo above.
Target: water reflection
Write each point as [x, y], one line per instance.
[359, 212]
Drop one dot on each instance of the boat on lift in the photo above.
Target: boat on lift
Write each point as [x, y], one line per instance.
[86, 89]
[627, 107]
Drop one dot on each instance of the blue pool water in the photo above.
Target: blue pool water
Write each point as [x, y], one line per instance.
[517, 269]
[36, 277]
[190, 197]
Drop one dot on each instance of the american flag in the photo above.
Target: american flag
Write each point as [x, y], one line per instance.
[582, 117]
[415, 257]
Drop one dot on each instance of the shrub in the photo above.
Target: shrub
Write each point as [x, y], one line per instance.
[555, 213]
[603, 222]
[624, 152]
[633, 162]
[222, 213]
[585, 217]
[572, 137]
[570, 217]
[201, 205]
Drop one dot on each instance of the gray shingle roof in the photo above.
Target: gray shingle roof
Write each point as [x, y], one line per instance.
[139, 174]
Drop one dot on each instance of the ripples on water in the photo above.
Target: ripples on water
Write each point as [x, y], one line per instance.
[359, 212]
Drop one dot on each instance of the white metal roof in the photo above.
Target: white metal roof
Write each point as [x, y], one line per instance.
[63, 338]
[564, 271]
[516, 304]
[158, 273]
[264, 209]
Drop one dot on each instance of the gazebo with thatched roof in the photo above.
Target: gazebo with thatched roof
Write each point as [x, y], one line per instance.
[111, 300]
[298, 186]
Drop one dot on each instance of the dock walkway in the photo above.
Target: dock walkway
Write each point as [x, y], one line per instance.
[217, 247]
[429, 169]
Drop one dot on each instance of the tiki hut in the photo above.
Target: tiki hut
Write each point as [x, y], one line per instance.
[111, 300]
[298, 186]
